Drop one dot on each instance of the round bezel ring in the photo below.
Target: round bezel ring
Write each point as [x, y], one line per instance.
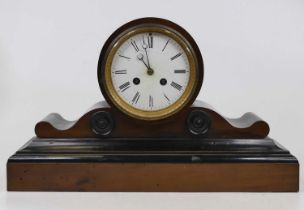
[105, 79]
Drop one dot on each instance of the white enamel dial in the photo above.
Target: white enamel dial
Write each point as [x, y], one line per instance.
[150, 71]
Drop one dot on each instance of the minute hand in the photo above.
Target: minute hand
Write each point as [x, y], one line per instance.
[145, 48]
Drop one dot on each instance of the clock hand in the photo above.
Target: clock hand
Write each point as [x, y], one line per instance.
[145, 48]
[140, 57]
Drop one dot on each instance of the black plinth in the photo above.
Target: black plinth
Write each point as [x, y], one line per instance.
[162, 164]
[153, 150]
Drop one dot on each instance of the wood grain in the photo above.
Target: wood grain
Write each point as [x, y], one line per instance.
[157, 177]
[247, 126]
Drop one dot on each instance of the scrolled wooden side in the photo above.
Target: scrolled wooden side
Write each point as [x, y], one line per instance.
[246, 127]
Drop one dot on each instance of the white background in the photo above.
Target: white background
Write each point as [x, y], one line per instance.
[254, 61]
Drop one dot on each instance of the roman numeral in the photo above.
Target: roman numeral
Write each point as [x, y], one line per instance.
[150, 40]
[135, 98]
[122, 56]
[176, 56]
[124, 86]
[176, 86]
[165, 45]
[180, 71]
[120, 72]
[166, 97]
[150, 101]
[134, 45]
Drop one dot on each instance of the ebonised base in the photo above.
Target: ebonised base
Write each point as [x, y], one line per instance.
[153, 165]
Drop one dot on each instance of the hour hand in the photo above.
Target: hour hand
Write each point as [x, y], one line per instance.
[140, 57]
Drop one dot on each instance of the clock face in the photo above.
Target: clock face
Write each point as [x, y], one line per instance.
[150, 71]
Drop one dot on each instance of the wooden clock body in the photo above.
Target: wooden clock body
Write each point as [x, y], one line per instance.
[193, 150]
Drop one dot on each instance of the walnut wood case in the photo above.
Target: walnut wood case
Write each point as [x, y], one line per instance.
[232, 155]
[195, 150]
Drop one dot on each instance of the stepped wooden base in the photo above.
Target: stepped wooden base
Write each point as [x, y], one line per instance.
[172, 155]
[153, 165]
[154, 177]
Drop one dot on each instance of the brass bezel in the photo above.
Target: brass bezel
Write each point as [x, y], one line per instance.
[144, 114]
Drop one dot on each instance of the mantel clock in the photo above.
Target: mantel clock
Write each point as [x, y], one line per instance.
[151, 134]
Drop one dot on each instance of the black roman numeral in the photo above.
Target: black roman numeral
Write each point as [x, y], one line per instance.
[120, 72]
[144, 42]
[176, 86]
[180, 71]
[135, 98]
[150, 40]
[165, 45]
[150, 101]
[134, 45]
[166, 97]
[176, 56]
[122, 56]
[124, 86]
